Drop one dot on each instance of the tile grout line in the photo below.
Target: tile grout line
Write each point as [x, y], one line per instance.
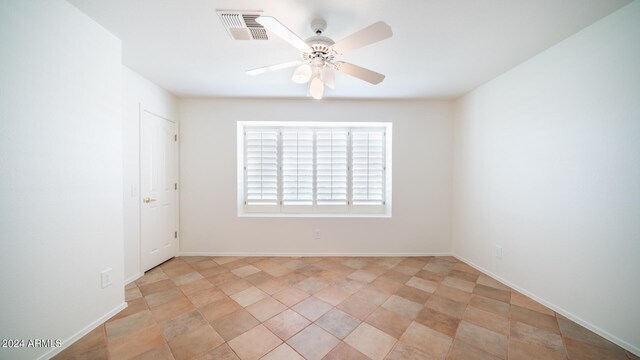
[508, 336]
[364, 321]
[509, 323]
[106, 341]
[455, 335]
[564, 343]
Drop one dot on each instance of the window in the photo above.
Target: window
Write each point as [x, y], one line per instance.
[314, 169]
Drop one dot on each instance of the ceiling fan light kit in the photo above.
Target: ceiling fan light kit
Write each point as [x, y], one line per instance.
[316, 88]
[303, 74]
[328, 77]
[318, 53]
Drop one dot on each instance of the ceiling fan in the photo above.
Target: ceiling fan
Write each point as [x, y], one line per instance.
[318, 53]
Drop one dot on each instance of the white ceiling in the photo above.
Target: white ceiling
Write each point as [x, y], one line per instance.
[440, 48]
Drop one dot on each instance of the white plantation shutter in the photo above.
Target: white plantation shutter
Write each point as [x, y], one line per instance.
[297, 167]
[368, 166]
[261, 167]
[332, 167]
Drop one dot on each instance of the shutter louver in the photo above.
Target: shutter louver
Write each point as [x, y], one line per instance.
[368, 167]
[297, 167]
[331, 167]
[261, 167]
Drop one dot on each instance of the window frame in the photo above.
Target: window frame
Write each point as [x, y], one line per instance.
[314, 210]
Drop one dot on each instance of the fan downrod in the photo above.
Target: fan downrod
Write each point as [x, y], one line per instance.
[318, 25]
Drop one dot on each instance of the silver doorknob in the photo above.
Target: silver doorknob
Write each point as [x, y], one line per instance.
[148, 200]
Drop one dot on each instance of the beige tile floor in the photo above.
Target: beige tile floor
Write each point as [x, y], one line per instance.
[398, 308]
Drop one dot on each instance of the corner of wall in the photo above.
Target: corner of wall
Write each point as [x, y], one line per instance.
[543, 167]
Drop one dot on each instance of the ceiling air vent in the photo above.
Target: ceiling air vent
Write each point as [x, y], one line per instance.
[242, 25]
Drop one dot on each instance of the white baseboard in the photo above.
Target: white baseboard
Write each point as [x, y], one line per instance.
[133, 278]
[87, 329]
[614, 339]
[205, 253]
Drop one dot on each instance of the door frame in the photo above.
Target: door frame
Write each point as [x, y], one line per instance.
[141, 110]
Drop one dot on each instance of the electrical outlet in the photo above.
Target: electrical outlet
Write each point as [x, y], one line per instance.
[316, 234]
[107, 278]
[497, 251]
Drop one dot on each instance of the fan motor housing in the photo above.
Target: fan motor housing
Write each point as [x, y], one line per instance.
[321, 46]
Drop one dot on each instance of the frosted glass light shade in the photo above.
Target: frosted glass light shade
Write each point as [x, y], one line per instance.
[302, 75]
[328, 78]
[316, 88]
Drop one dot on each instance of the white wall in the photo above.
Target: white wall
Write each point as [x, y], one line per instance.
[137, 93]
[547, 165]
[421, 181]
[60, 173]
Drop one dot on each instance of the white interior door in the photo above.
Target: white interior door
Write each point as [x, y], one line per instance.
[158, 190]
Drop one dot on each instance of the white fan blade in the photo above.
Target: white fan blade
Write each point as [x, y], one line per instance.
[359, 72]
[265, 69]
[367, 36]
[328, 77]
[270, 23]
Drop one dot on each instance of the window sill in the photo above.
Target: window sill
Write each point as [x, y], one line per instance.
[313, 215]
